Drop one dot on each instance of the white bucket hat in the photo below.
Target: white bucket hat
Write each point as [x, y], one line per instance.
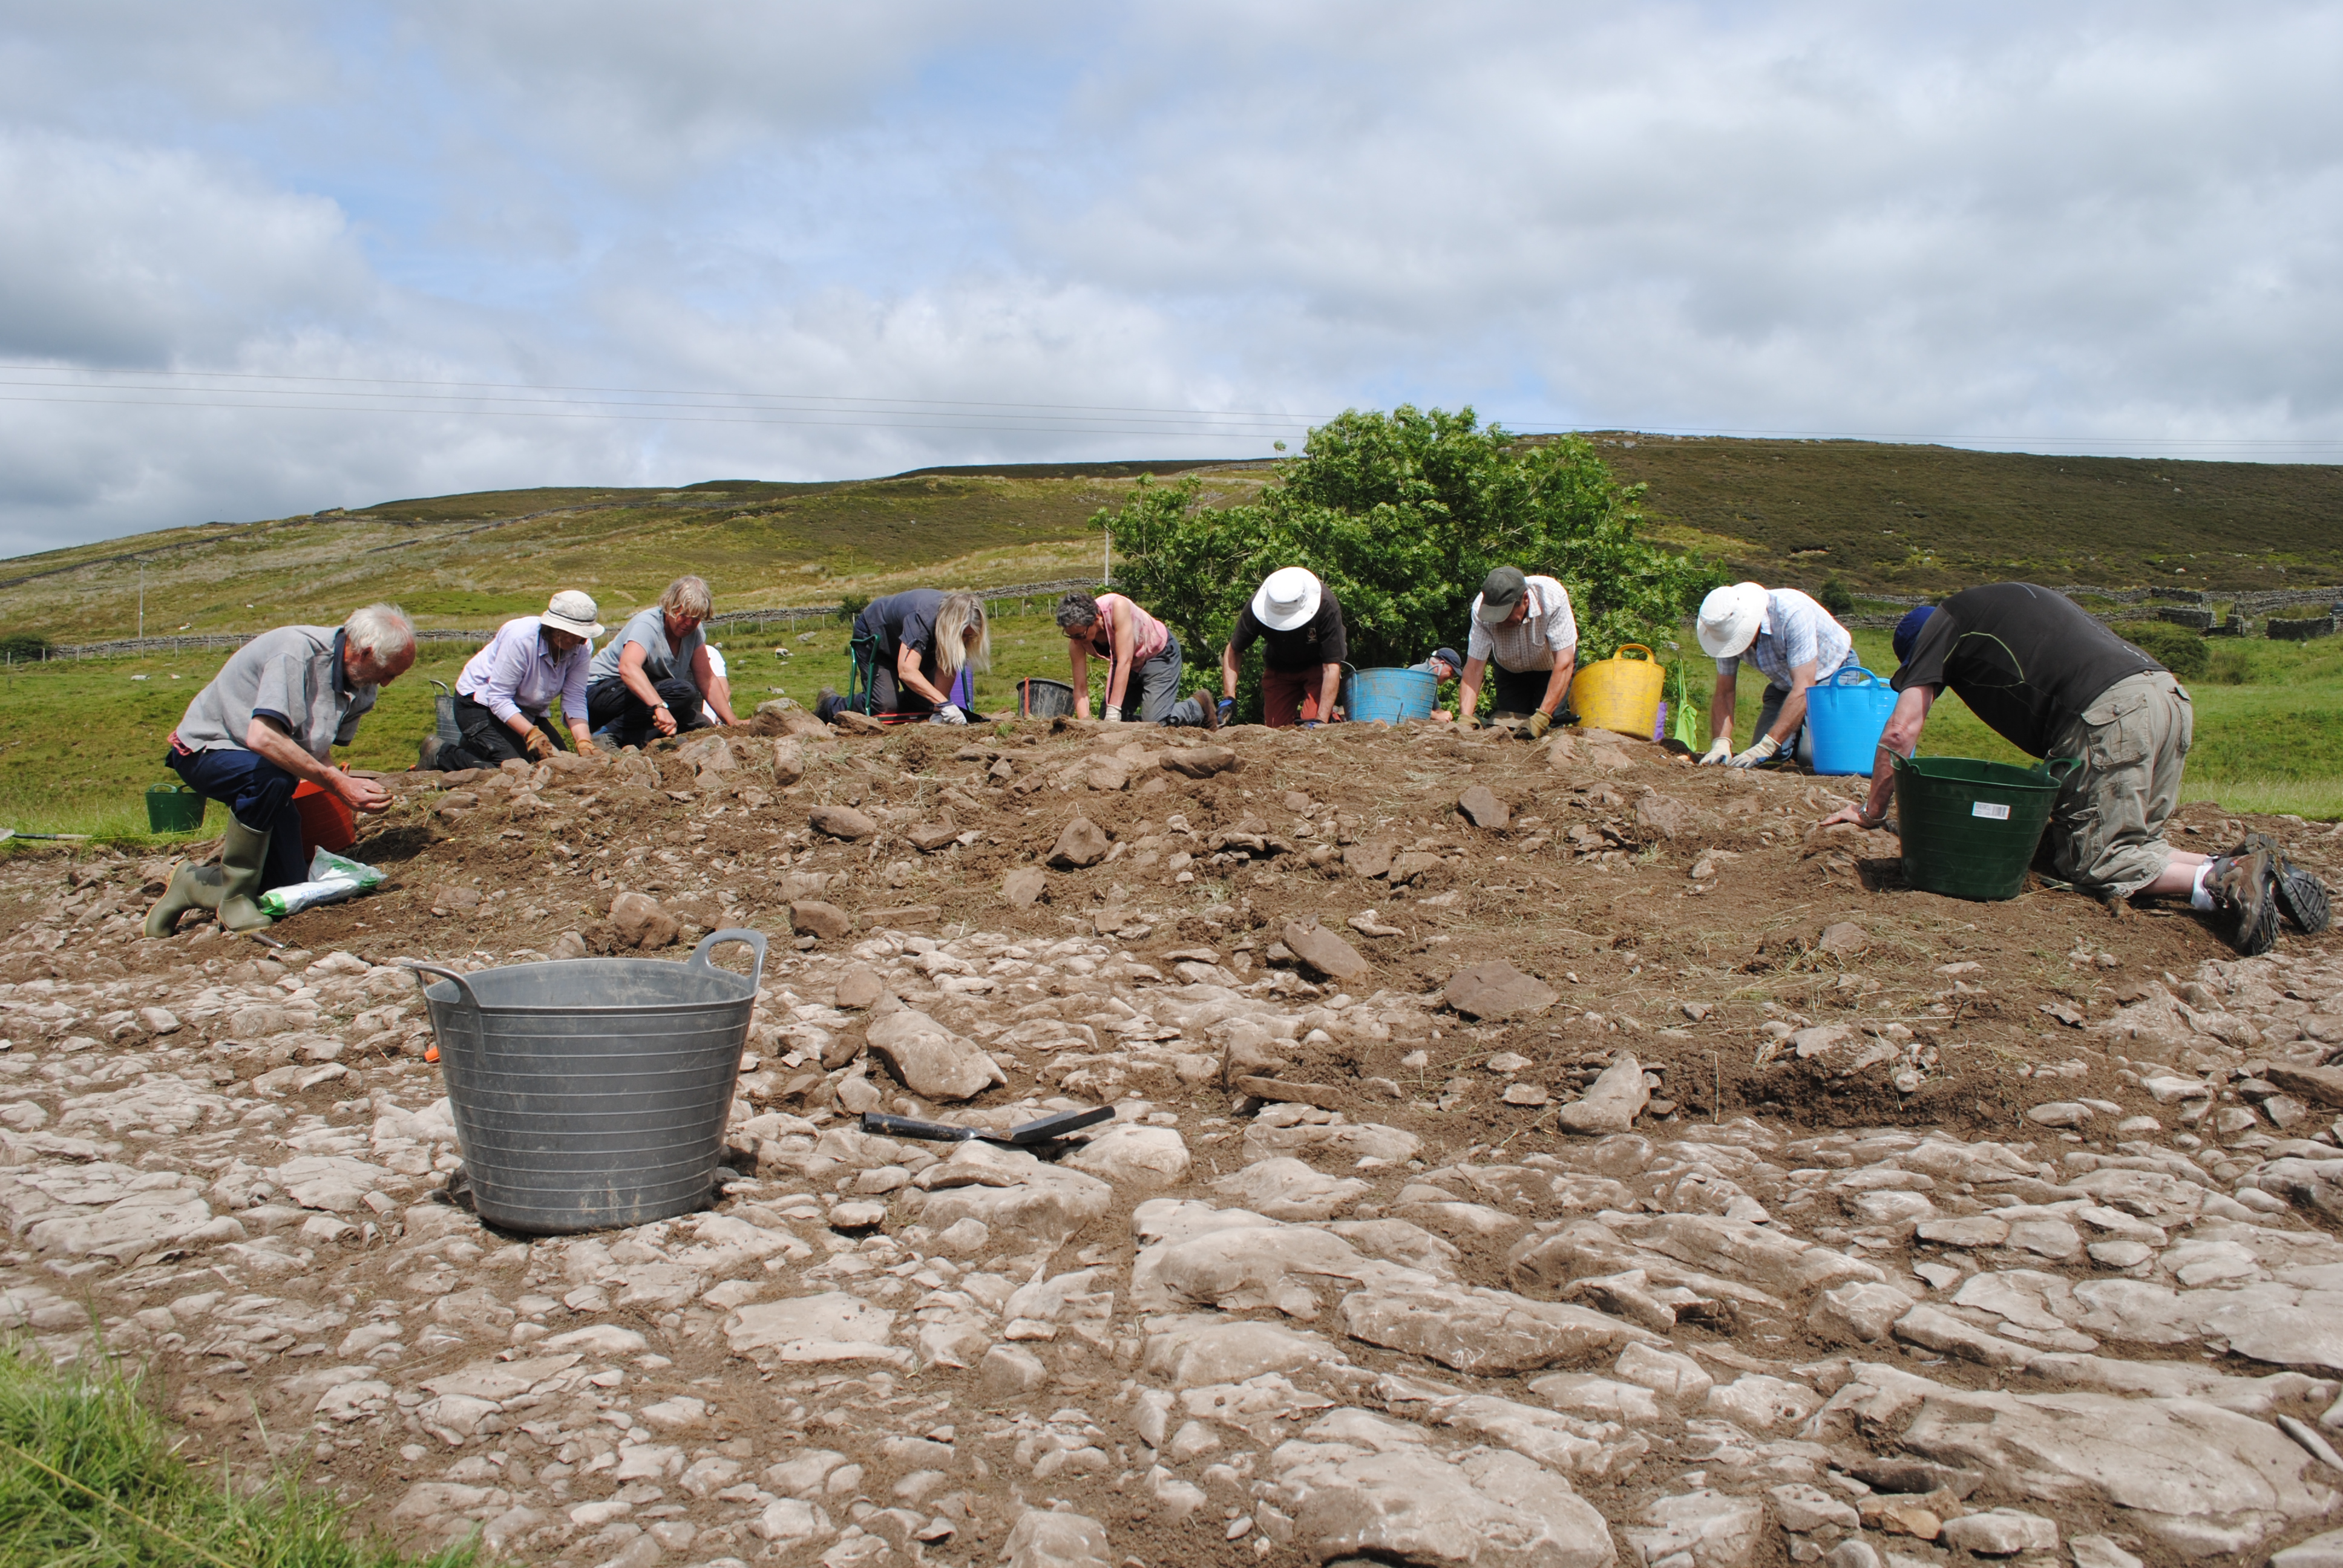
[1286, 598]
[1730, 618]
[574, 612]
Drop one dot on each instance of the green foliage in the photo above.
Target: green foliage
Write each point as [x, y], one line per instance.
[23, 644]
[131, 1494]
[1836, 597]
[1402, 515]
[2232, 666]
[850, 605]
[2177, 648]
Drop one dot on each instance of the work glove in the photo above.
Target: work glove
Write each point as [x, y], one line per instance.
[1765, 747]
[1719, 750]
[1228, 709]
[1538, 724]
[949, 714]
[1113, 714]
[538, 744]
[1468, 718]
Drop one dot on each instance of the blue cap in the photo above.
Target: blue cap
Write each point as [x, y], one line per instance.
[1907, 630]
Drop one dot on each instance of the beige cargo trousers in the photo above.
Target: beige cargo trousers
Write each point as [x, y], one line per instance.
[2107, 830]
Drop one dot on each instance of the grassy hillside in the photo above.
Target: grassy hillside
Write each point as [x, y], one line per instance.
[1929, 519]
[472, 560]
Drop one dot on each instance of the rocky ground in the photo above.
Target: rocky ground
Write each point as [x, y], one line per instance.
[1524, 1156]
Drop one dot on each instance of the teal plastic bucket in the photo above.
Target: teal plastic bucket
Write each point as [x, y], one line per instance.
[1847, 719]
[1392, 696]
[1969, 828]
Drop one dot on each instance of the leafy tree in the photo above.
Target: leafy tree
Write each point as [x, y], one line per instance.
[2177, 648]
[21, 646]
[1836, 597]
[1402, 515]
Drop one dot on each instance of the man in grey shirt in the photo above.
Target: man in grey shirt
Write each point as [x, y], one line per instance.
[269, 720]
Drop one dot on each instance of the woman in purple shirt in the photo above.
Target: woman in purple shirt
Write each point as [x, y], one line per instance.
[504, 699]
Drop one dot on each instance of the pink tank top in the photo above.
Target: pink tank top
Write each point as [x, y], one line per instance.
[1148, 635]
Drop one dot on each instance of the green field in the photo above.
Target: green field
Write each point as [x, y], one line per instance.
[83, 740]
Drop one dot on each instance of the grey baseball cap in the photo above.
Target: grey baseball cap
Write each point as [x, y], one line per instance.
[1503, 589]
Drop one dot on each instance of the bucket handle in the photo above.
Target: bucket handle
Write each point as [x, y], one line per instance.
[1838, 677]
[418, 968]
[2050, 768]
[1621, 651]
[753, 940]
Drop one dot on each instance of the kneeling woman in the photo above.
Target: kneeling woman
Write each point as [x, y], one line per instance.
[908, 650]
[1142, 675]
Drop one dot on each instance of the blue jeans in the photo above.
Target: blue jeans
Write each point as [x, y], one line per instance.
[258, 794]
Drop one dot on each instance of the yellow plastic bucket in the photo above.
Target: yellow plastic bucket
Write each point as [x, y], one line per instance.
[1620, 693]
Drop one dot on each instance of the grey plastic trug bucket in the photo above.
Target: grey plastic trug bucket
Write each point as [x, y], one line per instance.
[592, 1092]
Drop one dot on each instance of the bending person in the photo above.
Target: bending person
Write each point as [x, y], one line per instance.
[909, 650]
[1299, 624]
[2052, 682]
[1143, 663]
[504, 699]
[653, 677]
[1793, 640]
[270, 718]
[1523, 626]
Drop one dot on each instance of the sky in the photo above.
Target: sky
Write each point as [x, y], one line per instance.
[265, 258]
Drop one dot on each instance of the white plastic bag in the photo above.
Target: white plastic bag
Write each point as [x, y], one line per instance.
[332, 878]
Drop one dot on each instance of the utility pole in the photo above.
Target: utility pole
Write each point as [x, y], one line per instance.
[1106, 569]
[142, 599]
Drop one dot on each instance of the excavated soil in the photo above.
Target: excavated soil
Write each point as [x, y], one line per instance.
[1892, 1157]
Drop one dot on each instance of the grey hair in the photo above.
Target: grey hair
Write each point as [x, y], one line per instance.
[960, 615]
[380, 631]
[1077, 610]
[688, 597]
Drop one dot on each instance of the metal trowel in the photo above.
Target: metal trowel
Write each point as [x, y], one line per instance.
[1021, 1137]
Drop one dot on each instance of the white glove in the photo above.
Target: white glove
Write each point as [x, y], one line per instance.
[1113, 714]
[947, 714]
[1719, 750]
[1766, 746]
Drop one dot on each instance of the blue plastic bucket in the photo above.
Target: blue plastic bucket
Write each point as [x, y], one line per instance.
[1846, 717]
[1392, 696]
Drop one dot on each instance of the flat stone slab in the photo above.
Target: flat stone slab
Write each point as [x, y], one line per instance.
[1324, 951]
[1497, 989]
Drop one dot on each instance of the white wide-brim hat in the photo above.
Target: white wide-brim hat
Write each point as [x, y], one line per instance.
[573, 612]
[1730, 618]
[1286, 598]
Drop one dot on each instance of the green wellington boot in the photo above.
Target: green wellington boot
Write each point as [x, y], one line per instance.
[243, 853]
[192, 888]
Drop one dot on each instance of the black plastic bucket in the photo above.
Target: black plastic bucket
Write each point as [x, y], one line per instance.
[592, 1092]
[1044, 699]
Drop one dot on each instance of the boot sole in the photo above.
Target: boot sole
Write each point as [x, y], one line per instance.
[2301, 897]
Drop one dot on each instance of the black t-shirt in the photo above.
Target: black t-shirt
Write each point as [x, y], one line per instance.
[2028, 661]
[1320, 640]
[902, 619]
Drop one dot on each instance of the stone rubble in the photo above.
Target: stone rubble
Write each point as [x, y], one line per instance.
[1273, 1328]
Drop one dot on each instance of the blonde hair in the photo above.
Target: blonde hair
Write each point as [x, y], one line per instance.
[959, 615]
[688, 597]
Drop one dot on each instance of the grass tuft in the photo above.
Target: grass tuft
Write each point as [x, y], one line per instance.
[90, 1476]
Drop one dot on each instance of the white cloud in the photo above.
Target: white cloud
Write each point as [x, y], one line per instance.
[2094, 222]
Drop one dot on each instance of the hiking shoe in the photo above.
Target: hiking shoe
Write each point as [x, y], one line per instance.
[2245, 886]
[1210, 705]
[428, 754]
[2301, 897]
[826, 704]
